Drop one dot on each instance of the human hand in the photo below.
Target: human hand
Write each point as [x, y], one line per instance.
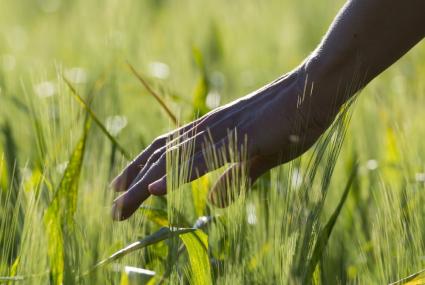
[283, 119]
[277, 123]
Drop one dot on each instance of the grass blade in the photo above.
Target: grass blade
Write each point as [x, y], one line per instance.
[96, 119]
[59, 216]
[154, 94]
[162, 234]
[414, 279]
[38, 131]
[11, 154]
[201, 222]
[158, 216]
[202, 86]
[12, 207]
[196, 244]
[199, 195]
[325, 233]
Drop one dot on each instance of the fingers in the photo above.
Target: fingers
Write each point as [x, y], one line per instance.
[197, 167]
[191, 142]
[205, 160]
[123, 181]
[228, 186]
[126, 204]
[154, 181]
[184, 149]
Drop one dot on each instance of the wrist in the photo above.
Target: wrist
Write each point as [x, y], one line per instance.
[335, 79]
[323, 88]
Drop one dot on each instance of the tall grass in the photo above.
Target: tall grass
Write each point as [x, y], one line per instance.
[350, 211]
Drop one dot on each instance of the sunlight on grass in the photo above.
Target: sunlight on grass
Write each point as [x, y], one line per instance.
[349, 211]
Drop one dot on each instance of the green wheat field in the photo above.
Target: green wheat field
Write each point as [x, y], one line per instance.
[73, 113]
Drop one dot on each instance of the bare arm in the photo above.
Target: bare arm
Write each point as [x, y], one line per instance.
[377, 32]
[365, 38]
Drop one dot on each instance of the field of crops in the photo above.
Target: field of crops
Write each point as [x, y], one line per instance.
[74, 111]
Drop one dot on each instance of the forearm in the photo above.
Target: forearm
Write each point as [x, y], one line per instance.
[366, 37]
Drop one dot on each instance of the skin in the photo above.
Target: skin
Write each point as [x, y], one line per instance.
[282, 120]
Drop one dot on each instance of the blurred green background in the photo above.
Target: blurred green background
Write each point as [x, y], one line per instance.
[196, 55]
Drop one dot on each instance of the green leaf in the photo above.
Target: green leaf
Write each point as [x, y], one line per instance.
[162, 234]
[158, 216]
[197, 247]
[199, 195]
[414, 279]
[124, 279]
[59, 216]
[55, 247]
[14, 267]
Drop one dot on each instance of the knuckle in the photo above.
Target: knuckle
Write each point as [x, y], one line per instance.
[157, 153]
[162, 159]
[158, 163]
[155, 156]
[159, 141]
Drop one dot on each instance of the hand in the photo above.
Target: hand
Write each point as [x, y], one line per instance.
[278, 123]
[282, 120]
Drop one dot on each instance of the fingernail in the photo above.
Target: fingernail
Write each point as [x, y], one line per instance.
[116, 184]
[116, 211]
[158, 187]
